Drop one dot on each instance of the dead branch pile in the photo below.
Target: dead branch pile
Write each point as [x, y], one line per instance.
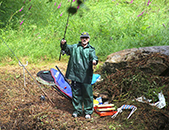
[131, 82]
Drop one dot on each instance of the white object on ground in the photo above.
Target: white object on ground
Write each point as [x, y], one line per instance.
[160, 104]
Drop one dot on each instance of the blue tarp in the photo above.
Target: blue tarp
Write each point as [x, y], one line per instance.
[63, 85]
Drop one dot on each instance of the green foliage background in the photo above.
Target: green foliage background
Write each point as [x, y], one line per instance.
[113, 25]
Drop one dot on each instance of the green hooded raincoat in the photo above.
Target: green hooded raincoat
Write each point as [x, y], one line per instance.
[80, 63]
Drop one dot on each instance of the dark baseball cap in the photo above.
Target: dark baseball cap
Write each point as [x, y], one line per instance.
[85, 34]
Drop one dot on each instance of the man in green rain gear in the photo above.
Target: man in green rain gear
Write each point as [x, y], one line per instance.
[80, 72]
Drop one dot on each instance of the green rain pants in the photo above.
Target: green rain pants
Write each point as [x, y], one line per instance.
[82, 94]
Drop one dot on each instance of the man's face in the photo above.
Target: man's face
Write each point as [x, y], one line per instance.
[84, 40]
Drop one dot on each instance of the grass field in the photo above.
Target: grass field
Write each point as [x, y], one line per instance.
[33, 29]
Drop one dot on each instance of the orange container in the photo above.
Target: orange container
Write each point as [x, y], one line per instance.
[105, 110]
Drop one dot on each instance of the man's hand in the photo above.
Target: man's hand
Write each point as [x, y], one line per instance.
[62, 52]
[63, 41]
[94, 62]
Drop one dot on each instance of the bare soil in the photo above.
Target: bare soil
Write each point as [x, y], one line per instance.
[22, 108]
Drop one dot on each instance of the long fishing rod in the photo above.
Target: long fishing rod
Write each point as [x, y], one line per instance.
[61, 52]
[28, 72]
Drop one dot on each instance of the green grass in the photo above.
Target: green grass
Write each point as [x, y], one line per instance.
[114, 25]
